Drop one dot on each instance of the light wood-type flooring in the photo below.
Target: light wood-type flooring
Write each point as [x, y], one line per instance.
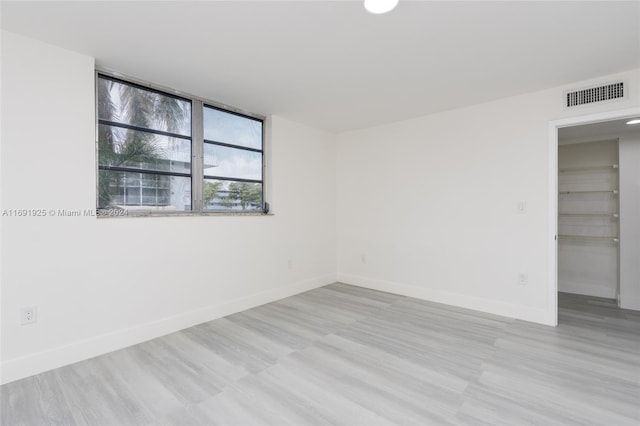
[344, 355]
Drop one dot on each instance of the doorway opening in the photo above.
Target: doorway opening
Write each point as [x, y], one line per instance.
[594, 215]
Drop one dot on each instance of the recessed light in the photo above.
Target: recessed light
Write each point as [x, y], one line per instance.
[380, 6]
[634, 121]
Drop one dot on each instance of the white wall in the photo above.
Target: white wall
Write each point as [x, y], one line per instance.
[630, 222]
[102, 284]
[431, 202]
[588, 267]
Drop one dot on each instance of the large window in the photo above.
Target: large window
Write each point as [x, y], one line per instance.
[163, 153]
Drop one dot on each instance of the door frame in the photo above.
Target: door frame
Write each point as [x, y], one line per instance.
[552, 279]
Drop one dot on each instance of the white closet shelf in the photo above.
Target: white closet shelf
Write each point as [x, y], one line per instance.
[588, 168]
[608, 191]
[595, 214]
[613, 239]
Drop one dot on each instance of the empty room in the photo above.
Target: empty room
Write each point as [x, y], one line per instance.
[350, 212]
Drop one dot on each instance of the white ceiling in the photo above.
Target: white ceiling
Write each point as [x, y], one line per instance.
[334, 66]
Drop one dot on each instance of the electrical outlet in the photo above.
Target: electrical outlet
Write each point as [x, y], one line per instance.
[523, 279]
[28, 315]
[521, 207]
[290, 264]
[363, 259]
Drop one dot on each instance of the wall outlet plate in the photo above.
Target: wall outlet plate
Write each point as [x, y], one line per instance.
[523, 279]
[28, 315]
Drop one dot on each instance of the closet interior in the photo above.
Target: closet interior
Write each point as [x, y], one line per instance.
[599, 212]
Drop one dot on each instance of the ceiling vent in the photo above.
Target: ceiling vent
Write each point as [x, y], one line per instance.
[595, 94]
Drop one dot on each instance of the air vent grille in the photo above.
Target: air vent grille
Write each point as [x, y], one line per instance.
[595, 94]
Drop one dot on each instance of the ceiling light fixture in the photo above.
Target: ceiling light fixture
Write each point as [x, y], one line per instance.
[380, 6]
[634, 121]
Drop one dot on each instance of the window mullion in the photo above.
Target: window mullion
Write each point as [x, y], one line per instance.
[197, 156]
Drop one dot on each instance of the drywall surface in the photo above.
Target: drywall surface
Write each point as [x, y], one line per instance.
[102, 284]
[429, 207]
[588, 265]
[630, 222]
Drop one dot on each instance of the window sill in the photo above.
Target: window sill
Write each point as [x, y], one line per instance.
[132, 214]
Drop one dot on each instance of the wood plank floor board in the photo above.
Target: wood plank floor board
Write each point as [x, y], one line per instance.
[235, 351]
[345, 355]
[486, 405]
[477, 343]
[36, 400]
[548, 402]
[267, 344]
[371, 387]
[141, 381]
[324, 317]
[406, 383]
[219, 371]
[310, 323]
[288, 403]
[382, 403]
[279, 330]
[95, 397]
[186, 379]
[530, 384]
[344, 411]
[409, 370]
[598, 367]
[187, 415]
[463, 363]
[228, 408]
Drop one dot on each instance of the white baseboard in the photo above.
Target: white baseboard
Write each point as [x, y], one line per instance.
[587, 289]
[18, 368]
[525, 313]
